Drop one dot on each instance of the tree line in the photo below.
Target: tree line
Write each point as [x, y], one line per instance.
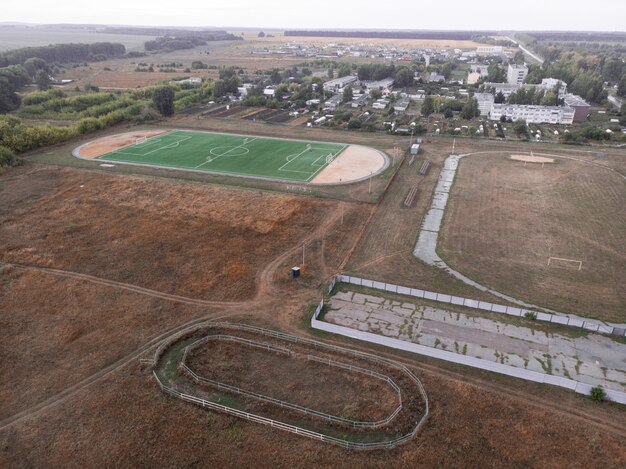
[453, 35]
[64, 53]
[187, 41]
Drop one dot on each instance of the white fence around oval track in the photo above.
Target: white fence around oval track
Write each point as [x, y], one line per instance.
[285, 426]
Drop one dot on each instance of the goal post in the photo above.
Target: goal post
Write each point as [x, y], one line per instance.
[329, 158]
[551, 260]
[140, 140]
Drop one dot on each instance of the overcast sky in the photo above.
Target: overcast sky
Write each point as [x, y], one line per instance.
[598, 15]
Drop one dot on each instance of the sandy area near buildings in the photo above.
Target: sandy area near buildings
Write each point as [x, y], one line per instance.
[104, 145]
[356, 162]
[532, 159]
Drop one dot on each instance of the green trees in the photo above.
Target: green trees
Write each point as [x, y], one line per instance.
[7, 157]
[347, 94]
[520, 128]
[495, 74]
[12, 78]
[470, 109]
[428, 106]
[499, 98]
[43, 80]
[354, 123]
[621, 87]
[344, 70]
[261, 34]
[403, 77]
[589, 86]
[163, 99]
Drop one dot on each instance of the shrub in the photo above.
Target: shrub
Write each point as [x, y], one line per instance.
[597, 394]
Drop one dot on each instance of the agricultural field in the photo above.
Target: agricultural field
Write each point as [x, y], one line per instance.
[505, 219]
[16, 37]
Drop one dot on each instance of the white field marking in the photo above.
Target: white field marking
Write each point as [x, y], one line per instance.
[293, 159]
[243, 145]
[164, 147]
[323, 166]
[329, 153]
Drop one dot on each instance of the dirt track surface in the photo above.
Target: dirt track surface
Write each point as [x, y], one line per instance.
[105, 145]
[132, 264]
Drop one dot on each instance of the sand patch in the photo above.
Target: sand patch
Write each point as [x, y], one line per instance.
[532, 159]
[105, 145]
[356, 162]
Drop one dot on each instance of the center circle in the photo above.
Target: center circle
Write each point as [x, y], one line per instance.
[229, 151]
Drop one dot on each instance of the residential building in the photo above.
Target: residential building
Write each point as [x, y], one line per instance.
[332, 103]
[516, 73]
[380, 103]
[533, 114]
[339, 83]
[434, 76]
[489, 50]
[402, 104]
[359, 100]
[506, 88]
[485, 100]
[581, 108]
[386, 84]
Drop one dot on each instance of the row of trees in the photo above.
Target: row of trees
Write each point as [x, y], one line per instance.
[64, 53]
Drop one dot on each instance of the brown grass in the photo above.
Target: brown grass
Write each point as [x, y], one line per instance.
[199, 240]
[505, 219]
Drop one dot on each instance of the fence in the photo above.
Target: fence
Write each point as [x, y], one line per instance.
[576, 386]
[593, 326]
[288, 405]
[281, 425]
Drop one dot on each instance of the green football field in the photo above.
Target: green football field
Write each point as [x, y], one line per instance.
[291, 160]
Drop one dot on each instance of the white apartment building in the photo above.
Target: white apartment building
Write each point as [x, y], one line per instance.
[533, 114]
[485, 100]
[516, 73]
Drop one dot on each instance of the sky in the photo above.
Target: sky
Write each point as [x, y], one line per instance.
[584, 15]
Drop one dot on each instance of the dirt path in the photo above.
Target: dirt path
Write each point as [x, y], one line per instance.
[264, 295]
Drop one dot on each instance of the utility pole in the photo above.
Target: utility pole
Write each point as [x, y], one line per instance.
[370, 189]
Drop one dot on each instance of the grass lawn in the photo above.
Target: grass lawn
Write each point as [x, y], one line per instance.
[290, 160]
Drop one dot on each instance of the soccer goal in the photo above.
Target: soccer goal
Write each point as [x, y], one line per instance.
[329, 158]
[140, 140]
[560, 262]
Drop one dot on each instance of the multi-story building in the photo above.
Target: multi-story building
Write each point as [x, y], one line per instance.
[516, 73]
[533, 114]
[546, 85]
[485, 100]
[580, 106]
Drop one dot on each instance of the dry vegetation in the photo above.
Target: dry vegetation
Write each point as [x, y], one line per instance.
[505, 219]
[222, 244]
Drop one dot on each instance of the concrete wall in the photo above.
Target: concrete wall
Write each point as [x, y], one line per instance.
[528, 375]
[590, 325]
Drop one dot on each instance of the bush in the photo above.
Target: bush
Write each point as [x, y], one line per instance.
[597, 394]
[354, 123]
[7, 157]
[530, 315]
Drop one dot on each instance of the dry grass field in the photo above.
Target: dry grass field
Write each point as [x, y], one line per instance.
[505, 219]
[139, 256]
